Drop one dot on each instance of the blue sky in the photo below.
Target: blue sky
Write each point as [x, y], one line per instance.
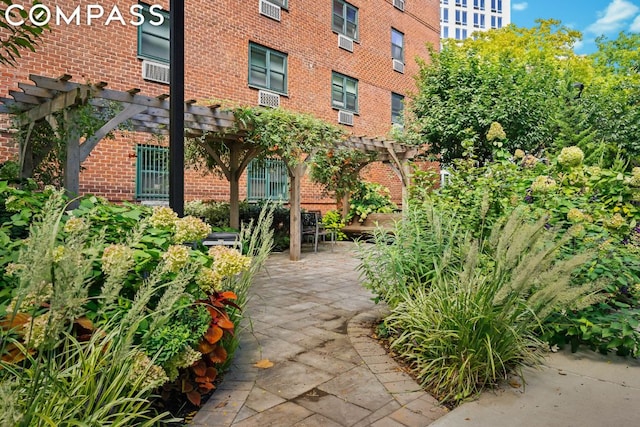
[591, 17]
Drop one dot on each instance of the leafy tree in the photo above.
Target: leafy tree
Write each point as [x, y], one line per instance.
[611, 101]
[531, 82]
[16, 38]
[518, 77]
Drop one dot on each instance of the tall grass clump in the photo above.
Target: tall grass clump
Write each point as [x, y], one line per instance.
[473, 314]
[423, 245]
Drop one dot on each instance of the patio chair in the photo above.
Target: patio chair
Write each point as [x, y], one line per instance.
[312, 227]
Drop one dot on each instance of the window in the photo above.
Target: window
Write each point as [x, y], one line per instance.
[478, 4]
[152, 173]
[397, 107]
[397, 45]
[344, 92]
[444, 1]
[461, 17]
[462, 3]
[496, 6]
[444, 15]
[345, 19]
[153, 40]
[461, 33]
[478, 20]
[445, 32]
[267, 68]
[267, 180]
[496, 22]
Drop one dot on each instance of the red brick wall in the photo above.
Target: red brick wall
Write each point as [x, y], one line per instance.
[216, 57]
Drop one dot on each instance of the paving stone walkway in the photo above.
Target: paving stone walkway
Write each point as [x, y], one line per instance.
[312, 319]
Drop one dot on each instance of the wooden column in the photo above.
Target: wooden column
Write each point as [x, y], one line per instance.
[72, 162]
[296, 173]
[234, 186]
[406, 183]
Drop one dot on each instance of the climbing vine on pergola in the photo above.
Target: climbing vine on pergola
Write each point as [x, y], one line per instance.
[228, 139]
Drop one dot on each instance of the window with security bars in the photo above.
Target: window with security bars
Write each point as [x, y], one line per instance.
[152, 173]
[267, 180]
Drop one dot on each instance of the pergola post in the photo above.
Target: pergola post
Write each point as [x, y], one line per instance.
[296, 173]
[234, 186]
[72, 162]
[406, 183]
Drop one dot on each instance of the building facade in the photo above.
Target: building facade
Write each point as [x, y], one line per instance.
[459, 19]
[348, 63]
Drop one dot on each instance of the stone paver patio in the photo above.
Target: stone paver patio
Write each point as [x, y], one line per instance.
[312, 319]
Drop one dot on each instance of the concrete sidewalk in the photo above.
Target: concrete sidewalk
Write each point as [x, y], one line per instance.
[312, 320]
[584, 389]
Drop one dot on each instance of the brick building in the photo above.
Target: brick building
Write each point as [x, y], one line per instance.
[348, 62]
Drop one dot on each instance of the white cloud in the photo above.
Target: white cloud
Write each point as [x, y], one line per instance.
[635, 25]
[520, 6]
[613, 18]
[578, 46]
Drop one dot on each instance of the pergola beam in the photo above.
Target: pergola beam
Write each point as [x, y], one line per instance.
[121, 117]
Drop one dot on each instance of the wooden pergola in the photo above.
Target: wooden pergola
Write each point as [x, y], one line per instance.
[44, 98]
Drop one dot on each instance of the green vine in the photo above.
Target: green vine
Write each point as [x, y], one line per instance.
[44, 160]
[338, 169]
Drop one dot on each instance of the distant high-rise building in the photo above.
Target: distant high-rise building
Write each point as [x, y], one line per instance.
[459, 19]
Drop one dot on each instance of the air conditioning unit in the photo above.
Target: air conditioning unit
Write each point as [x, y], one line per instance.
[398, 66]
[345, 43]
[268, 99]
[345, 118]
[270, 10]
[155, 72]
[398, 4]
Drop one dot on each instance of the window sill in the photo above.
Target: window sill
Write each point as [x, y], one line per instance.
[285, 94]
[344, 35]
[355, 113]
[159, 61]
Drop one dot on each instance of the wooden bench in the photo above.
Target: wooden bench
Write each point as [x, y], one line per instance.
[372, 222]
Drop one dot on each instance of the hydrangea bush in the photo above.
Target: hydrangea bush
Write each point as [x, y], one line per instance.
[144, 269]
[598, 206]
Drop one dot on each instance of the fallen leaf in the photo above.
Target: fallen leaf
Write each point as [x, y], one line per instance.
[264, 364]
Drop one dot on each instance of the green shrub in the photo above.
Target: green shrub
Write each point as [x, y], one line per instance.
[216, 214]
[332, 220]
[369, 198]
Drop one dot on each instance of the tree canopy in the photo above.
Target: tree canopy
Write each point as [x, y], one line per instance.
[531, 82]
